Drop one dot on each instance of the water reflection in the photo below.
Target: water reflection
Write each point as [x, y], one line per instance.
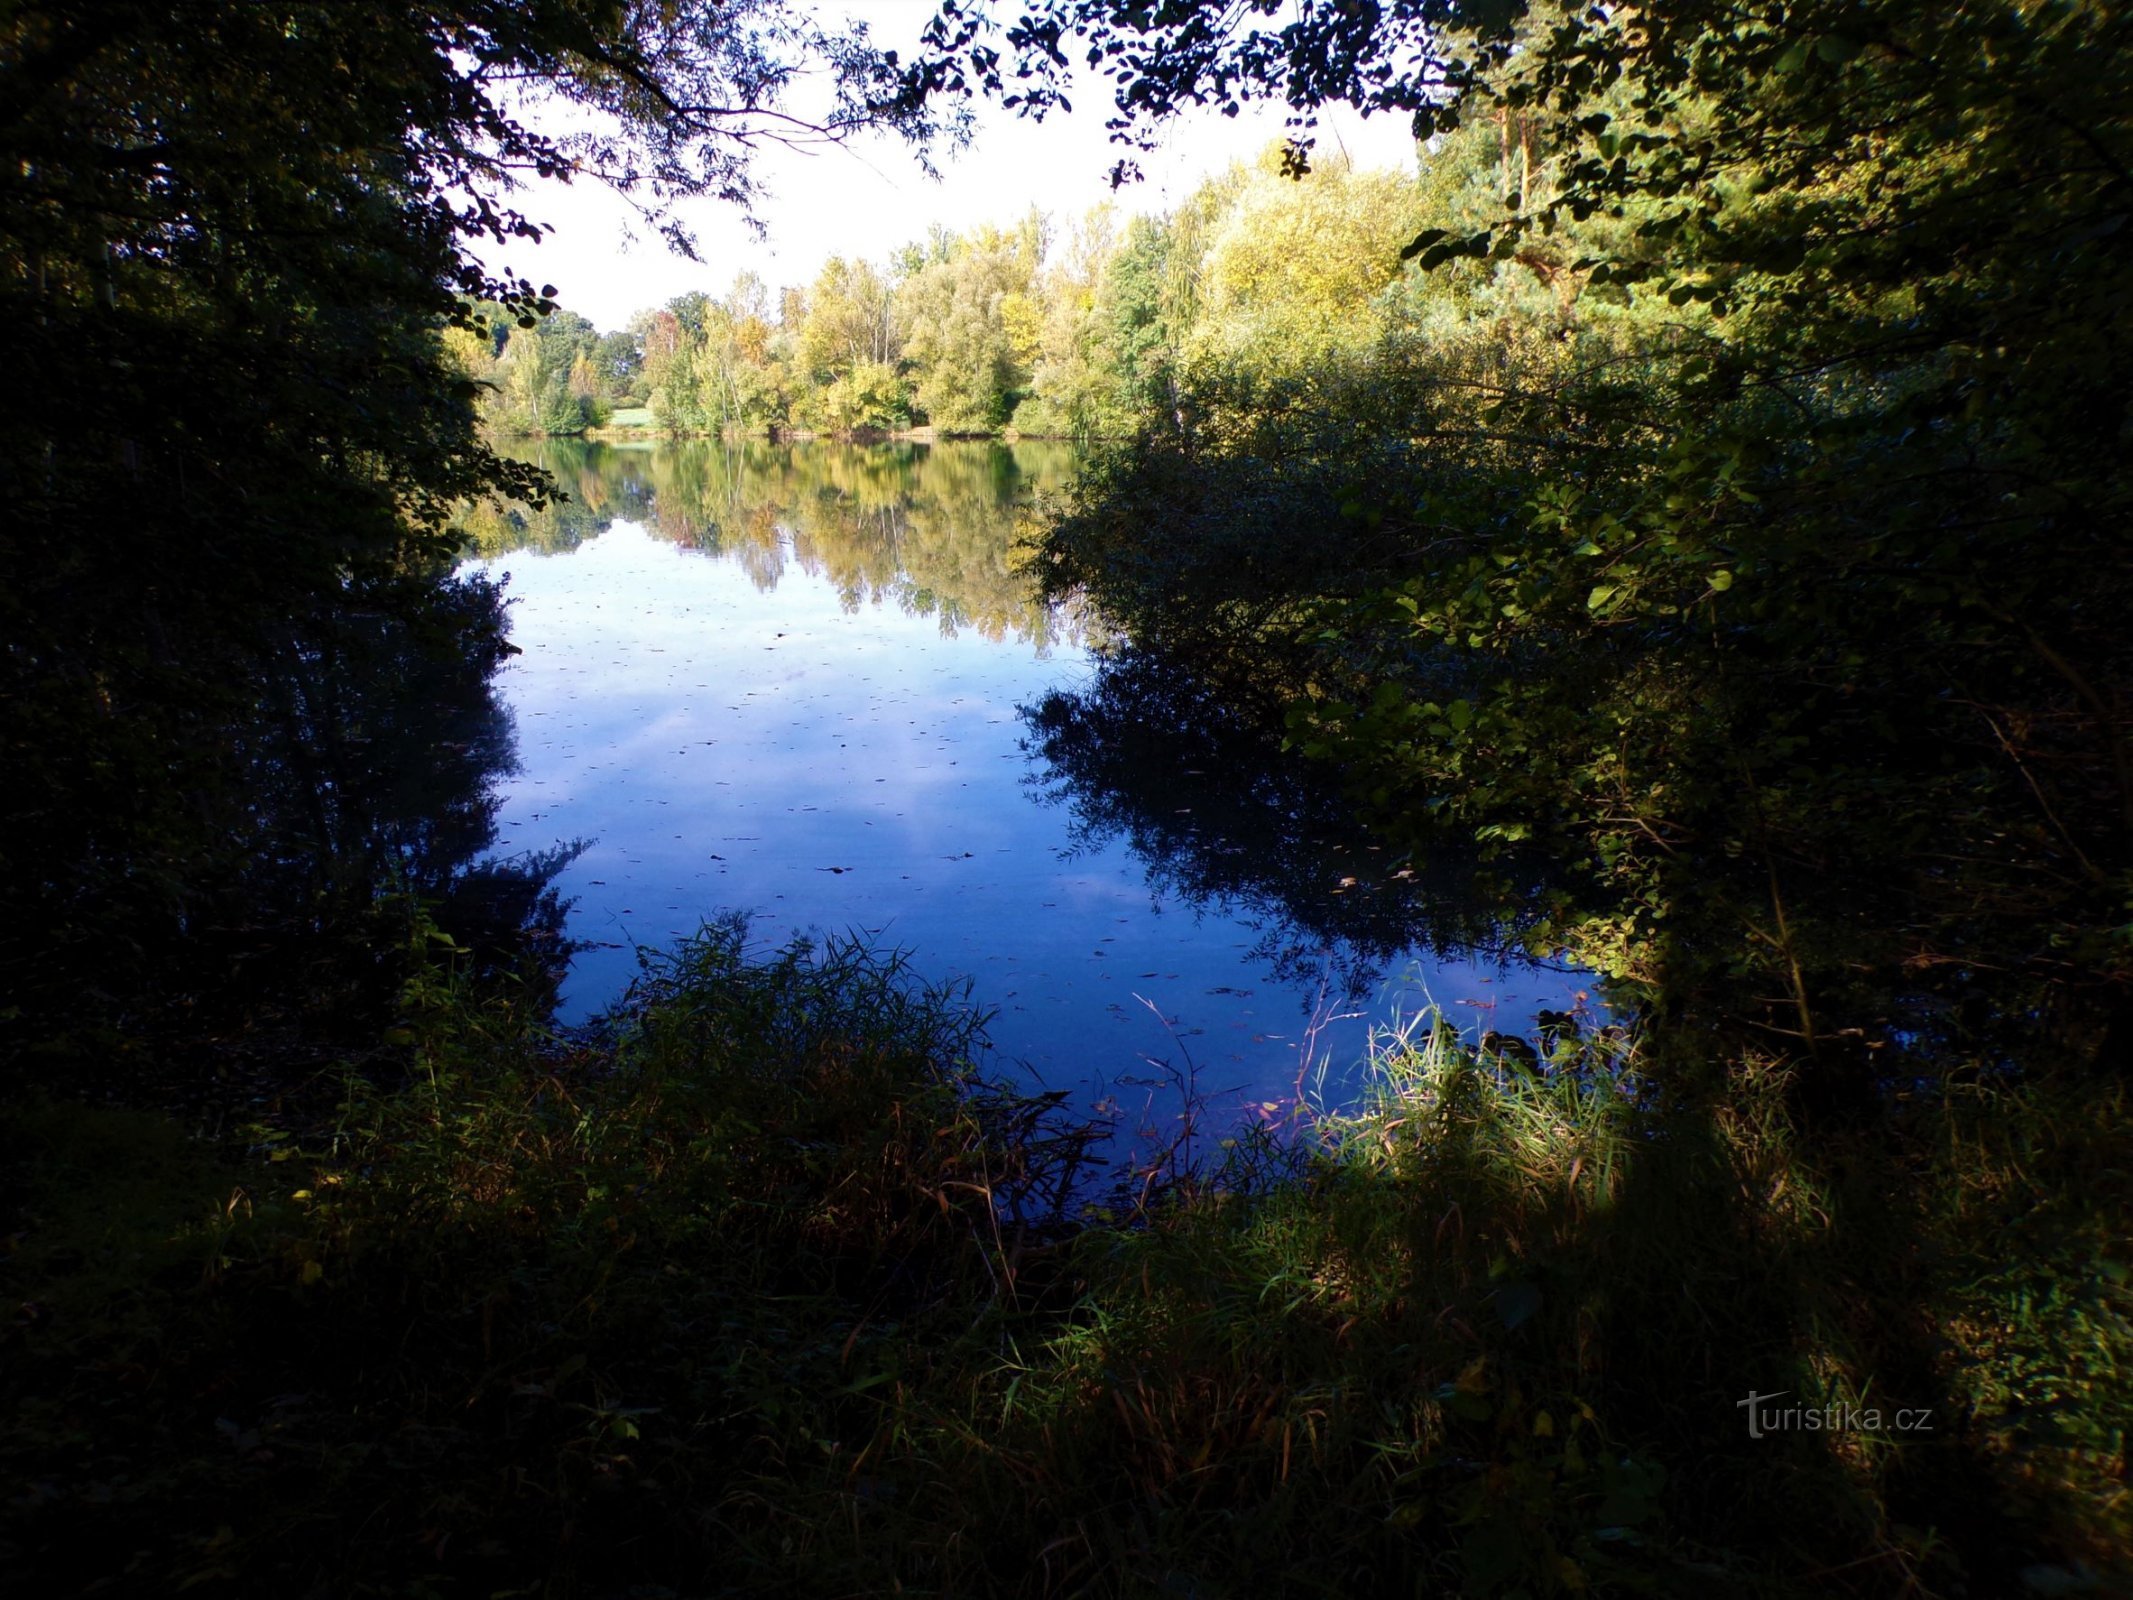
[929, 528]
[808, 683]
[1190, 776]
[369, 772]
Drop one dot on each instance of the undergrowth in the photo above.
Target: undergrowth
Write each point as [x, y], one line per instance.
[764, 1287]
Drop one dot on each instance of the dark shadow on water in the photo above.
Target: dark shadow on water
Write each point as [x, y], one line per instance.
[1190, 773]
[374, 776]
[349, 796]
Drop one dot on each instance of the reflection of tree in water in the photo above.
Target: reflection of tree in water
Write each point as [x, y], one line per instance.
[930, 528]
[371, 773]
[1190, 773]
[597, 484]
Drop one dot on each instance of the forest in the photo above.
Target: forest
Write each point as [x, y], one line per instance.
[1678, 532]
[1080, 331]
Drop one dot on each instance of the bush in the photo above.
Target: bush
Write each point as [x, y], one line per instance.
[761, 1285]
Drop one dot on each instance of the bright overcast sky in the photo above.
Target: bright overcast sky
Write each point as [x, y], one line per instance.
[870, 198]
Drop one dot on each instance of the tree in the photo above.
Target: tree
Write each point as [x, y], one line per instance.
[617, 360]
[231, 233]
[1296, 263]
[846, 350]
[1069, 383]
[1772, 582]
[973, 331]
[1137, 322]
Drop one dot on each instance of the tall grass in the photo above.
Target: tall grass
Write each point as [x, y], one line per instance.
[763, 1286]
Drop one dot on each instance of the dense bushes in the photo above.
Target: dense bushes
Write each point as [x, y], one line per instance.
[762, 1286]
[1730, 512]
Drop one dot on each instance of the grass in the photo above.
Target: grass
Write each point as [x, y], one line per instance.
[630, 417]
[766, 1289]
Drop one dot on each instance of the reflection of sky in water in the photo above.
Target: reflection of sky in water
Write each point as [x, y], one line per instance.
[727, 748]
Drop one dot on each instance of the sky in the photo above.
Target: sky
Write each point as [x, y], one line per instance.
[871, 197]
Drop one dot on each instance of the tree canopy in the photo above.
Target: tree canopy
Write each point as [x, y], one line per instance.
[1742, 524]
[229, 236]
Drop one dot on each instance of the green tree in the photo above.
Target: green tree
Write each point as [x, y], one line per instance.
[1149, 303]
[230, 234]
[1297, 263]
[1137, 325]
[1070, 384]
[974, 325]
[1767, 576]
[668, 385]
[845, 352]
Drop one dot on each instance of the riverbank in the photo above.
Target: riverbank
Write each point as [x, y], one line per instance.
[644, 432]
[764, 1285]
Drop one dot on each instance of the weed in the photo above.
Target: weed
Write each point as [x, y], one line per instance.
[762, 1285]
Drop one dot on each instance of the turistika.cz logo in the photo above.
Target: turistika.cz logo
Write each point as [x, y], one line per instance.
[1835, 1417]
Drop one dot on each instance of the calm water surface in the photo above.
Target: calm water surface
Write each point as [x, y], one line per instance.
[792, 681]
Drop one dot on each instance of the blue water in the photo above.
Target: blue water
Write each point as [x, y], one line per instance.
[761, 710]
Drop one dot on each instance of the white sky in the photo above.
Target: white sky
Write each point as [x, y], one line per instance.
[869, 198]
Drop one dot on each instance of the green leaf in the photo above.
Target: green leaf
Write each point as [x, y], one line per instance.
[1491, 1555]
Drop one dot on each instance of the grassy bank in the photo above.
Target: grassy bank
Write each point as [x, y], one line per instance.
[765, 1289]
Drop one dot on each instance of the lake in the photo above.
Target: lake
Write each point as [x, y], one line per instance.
[807, 683]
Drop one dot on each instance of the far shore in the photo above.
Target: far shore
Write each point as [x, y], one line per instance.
[619, 434]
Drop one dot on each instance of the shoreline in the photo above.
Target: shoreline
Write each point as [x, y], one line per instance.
[927, 435]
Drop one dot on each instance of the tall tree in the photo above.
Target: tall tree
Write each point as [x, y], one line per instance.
[973, 327]
[229, 235]
[1789, 623]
